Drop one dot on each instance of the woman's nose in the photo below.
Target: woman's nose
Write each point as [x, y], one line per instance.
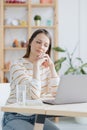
[42, 46]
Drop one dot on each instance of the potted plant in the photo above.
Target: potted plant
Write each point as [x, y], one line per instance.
[37, 19]
[70, 59]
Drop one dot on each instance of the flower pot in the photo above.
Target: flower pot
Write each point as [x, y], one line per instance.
[37, 22]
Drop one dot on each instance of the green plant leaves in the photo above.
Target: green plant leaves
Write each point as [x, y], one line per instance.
[37, 17]
[72, 69]
[58, 63]
[83, 71]
[78, 58]
[83, 65]
[59, 49]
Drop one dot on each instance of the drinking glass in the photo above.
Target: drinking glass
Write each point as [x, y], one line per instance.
[21, 94]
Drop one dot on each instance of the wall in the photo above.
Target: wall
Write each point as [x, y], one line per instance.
[73, 26]
[83, 29]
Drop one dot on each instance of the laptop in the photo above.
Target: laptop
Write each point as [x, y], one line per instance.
[71, 89]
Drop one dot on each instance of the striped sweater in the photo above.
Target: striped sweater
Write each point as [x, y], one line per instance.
[21, 72]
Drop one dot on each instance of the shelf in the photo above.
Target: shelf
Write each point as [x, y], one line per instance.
[5, 70]
[15, 5]
[42, 5]
[9, 32]
[48, 27]
[26, 4]
[19, 27]
[15, 27]
[15, 48]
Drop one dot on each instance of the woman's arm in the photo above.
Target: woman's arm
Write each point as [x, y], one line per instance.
[53, 78]
[53, 71]
[20, 75]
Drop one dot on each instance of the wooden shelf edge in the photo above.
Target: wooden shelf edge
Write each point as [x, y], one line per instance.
[43, 27]
[15, 48]
[15, 4]
[26, 4]
[42, 5]
[15, 27]
[5, 70]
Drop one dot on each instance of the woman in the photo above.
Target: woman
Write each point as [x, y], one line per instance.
[37, 71]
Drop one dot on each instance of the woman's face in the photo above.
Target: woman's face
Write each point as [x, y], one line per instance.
[39, 45]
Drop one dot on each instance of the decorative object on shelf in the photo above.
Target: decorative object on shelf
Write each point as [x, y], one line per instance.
[15, 43]
[6, 80]
[23, 23]
[37, 19]
[49, 22]
[15, 22]
[15, 1]
[23, 43]
[46, 1]
[7, 65]
[10, 21]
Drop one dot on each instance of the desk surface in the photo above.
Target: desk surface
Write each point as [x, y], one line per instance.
[78, 110]
[72, 110]
[33, 109]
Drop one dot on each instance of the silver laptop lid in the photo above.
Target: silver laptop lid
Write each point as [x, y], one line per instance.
[72, 89]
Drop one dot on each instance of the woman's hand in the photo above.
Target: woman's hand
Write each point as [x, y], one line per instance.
[44, 60]
[40, 60]
[48, 62]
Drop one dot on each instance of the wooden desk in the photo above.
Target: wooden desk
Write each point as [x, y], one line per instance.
[39, 110]
[72, 110]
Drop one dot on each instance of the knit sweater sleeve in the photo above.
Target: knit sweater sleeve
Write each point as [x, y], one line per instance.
[53, 82]
[20, 75]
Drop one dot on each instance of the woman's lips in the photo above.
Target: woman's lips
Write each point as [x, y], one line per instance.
[39, 51]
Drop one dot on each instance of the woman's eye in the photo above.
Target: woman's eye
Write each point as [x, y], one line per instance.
[38, 42]
[46, 45]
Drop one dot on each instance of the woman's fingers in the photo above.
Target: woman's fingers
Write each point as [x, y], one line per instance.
[44, 60]
[45, 64]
